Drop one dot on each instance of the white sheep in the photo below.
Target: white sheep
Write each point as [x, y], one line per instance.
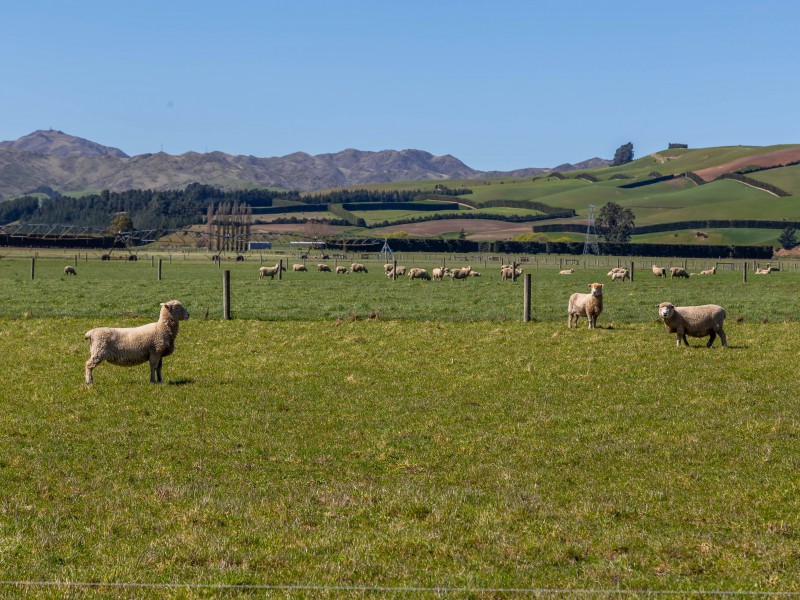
[509, 273]
[588, 305]
[298, 268]
[323, 267]
[387, 267]
[270, 271]
[474, 274]
[440, 272]
[711, 271]
[68, 270]
[341, 270]
[461, 273]
[566, 272]
[659, 271]
[358, 268]
[696, 321]
[766, 271]
[129, 346]
[401, 270]
[418, 274]
[678, 272]
[622, 274]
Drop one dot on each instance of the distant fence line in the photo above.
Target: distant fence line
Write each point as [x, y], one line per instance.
[676, 226]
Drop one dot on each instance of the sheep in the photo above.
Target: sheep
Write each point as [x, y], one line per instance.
[766, 271]
[509, 273]
[678, 272]
[589, 305]
[358, 268]
[440, 272]
[711, 271]
[129, 346]
[461, 273]
[270, 271]
[659, 271]
[622, 274]
[341, 270]
[696, 321]
[401, 270]
[418, 274]
[68, 270]
[387, 268]
[323, 267]
[566, 272]
[474, 274]
[298, 268]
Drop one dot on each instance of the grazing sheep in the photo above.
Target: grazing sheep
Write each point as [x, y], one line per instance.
[589, 305]
[323, 267]
[70, 271]
[711, 271]
[622, 274]
[678, 272]
[358, 268]
[401, 270]
[440, 272]
[566, 272]
[388, 267]
[418, 274]
[129, 346]
[270, 271]
[509, 273]
[696, 321]
[341, 270]
[659, 271]
[299, 268]
[461, 273]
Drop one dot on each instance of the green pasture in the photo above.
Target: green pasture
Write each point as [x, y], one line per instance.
[786, 178]
[350, 431]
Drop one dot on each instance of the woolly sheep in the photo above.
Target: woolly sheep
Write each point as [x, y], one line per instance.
[323, 267]
[418, 274]
[711, 271]
[678, 272]
[129, 346]
[509, 273]
[439, 273]
[622, 275]
[461, 273]
[388, 267]
[766, 271]
[659, 271]
[589, 305]
[566, 272]
[341, 270]
[474, 274]
[70, 271]
[358, 268]
[299, 268]
[270, 271]
[696, 321]
[401, 270]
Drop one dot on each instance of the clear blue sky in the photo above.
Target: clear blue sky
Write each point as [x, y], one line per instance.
[499, 84]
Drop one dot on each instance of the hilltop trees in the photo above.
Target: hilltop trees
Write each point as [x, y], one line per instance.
[787, 239]
[623, 155]
[615, 223]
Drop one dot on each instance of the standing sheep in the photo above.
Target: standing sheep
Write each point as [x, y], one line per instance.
[678, 272]
[323, 267]
[270, 271]
[659, 271]
[299, 268]
[696, 321]
[341, 270]
[70, 271]
[461, 273]
[589, 305]
[401, 270]
[622, 274]
[358, 268]
[129, 346]
[418, 274]
[440, 272]
[509, 273]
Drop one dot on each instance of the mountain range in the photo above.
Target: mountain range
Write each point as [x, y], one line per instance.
[54, 159]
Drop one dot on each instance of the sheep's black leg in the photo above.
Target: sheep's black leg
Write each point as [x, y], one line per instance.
[158, 370]
[711, 339]
[685, 341]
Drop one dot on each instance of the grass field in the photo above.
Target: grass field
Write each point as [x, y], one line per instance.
[352, 431]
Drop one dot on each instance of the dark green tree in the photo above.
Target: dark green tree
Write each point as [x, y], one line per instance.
[121, 223]
[623, 155]
[615, 223]
[787, 239]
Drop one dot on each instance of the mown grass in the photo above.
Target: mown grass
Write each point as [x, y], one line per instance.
[354, 431]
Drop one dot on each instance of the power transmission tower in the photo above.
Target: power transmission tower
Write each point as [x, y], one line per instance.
[590, 244]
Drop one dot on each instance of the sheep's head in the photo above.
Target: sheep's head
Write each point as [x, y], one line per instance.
[176, 309]
[597, 289]
[665, 310]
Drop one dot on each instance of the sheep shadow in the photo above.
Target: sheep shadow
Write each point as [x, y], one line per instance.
[181, 381]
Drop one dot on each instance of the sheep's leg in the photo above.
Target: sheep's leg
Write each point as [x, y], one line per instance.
[155, 369]
[723, 339]
[91, 364]
[158, 369]
[711, 339]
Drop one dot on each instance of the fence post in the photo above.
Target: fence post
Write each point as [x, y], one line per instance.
[744, 273]
[514, 270]
[33, 268]
[394, 270]
[280, 269]
[526, 298]
[632, 271]
[159, 269]
[226, 294]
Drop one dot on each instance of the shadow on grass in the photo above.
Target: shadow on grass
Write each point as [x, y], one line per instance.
[182, 381]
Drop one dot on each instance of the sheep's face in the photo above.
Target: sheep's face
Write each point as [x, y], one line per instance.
[176, 309]
[597, 289]
[665, 310]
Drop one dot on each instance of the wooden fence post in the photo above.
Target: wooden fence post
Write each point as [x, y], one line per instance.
[526, 299]
[226, 294]
[744, 273]
[632, 271]
[280, 269]
[159, 269]
[394, 270]
[33, 268]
